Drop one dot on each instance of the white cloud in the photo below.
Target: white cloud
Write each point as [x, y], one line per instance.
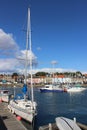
[8, 65]
[54, 62]
[7, 43]
[22, 57]
[8, 47]
[51, 70]
[48, 70]
[38, 48]
[29, 54]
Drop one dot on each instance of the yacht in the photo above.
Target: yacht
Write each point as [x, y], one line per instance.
[25, 108]
[52, 88]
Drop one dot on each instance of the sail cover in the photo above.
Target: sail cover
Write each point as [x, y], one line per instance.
[24, 89]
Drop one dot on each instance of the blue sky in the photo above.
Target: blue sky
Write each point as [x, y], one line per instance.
[59, 33]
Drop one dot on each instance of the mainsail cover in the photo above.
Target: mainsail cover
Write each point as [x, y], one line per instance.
[24, 89]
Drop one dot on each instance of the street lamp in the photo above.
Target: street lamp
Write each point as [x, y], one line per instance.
[53, 64]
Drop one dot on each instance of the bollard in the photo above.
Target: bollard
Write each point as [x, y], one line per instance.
[74, 119]
[50, 126]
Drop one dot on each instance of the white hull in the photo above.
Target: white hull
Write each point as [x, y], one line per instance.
[66, 124]
[4, 95]
[75, 89]
[52, 88]
[21, 109]
[4, 98]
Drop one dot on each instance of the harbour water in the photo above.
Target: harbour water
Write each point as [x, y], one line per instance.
[51, 105]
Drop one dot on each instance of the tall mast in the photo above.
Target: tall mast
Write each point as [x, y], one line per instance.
[27, 47]
[30, 46]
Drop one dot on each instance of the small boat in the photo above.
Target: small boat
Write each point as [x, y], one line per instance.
[25, 107]
[5, 95]
[73, 88]
[63, 123]
[52, 88]
[66, 124]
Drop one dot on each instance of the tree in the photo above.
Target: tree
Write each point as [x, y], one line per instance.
[78, 74]
[15, 76]
[41, 74]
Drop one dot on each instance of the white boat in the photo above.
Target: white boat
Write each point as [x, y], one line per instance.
[66, 124]
[52, 88]
[5, 95]
[73, 88]
[25, 108]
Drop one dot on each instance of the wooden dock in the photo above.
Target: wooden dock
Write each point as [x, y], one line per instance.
[8, 121]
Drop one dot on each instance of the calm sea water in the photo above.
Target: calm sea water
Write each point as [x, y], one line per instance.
[52, 105]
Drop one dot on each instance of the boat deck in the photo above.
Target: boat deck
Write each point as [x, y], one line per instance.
[8, 121]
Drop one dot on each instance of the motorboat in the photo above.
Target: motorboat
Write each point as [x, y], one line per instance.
[52, 88]
[75, 89]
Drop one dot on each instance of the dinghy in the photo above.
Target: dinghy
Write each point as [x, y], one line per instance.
[66, 124]
[5, 95]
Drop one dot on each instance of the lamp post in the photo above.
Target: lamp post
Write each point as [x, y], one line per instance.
[53, 64]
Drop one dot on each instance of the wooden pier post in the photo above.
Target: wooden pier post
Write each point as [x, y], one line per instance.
[50, 126]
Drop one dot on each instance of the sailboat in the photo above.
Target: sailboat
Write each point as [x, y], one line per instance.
[25, 108]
